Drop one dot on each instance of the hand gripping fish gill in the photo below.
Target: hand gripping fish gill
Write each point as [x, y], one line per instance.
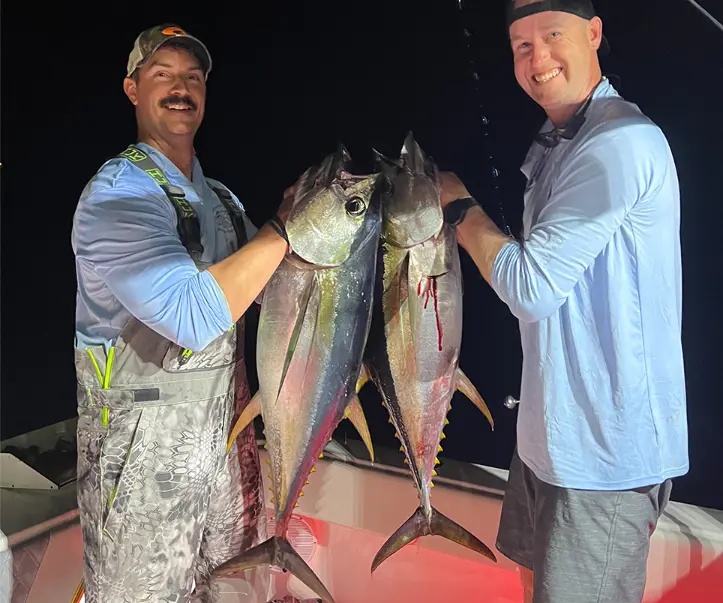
[412, 355]
[313, 327]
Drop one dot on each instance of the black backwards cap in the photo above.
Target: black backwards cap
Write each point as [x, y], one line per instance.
[519, 9]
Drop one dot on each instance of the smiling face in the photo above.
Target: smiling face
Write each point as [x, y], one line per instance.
[556, 60]
[169, 93]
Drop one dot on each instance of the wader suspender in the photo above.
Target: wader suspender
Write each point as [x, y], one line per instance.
[189, 228]
[234, 212]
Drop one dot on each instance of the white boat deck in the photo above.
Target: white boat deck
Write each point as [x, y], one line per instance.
[349, 508]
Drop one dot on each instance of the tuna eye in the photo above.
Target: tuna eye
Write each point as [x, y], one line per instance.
[355, 206]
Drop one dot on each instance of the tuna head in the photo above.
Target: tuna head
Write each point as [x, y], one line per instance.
[328, 222]
[412, 205]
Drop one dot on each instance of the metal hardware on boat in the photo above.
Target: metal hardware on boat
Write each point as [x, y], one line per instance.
[510, 402]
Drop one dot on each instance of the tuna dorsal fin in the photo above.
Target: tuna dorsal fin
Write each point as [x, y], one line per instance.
[384, 162]
[416, 161]
[278, 552]
[436, 525]
[413, 157]
[333, 165]
[355, 414]
[249, 413]
[465, 386]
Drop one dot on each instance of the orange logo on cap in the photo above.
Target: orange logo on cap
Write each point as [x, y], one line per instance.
[174, 31]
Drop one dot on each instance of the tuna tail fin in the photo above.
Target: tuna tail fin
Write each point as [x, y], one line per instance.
[355, 414]
[437, 525]
[276, 551]
[249, 413]
[465, 386]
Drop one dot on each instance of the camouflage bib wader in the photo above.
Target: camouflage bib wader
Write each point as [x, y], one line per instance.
[161, 503]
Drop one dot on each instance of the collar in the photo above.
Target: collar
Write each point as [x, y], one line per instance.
[175, 175]
[568, 130]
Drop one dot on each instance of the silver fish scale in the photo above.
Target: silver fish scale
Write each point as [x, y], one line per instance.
[328, 311]
[417, 326]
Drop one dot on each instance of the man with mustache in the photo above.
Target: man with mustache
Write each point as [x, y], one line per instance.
[167, 264]
[595, 281]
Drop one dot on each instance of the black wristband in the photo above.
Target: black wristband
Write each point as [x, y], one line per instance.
[279, 227]
[455, 211]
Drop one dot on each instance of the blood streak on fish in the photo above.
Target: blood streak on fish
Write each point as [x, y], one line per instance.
[421, 449]
[431, 291]
[416, 381]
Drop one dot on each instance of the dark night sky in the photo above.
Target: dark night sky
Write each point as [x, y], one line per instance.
[290, 81]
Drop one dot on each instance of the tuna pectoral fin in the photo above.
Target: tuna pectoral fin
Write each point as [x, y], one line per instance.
[249, 413]
[355, 414]
[278, 552]
[438, 525]
[468, 389]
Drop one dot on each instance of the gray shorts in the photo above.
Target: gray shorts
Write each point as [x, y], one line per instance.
[583, 546]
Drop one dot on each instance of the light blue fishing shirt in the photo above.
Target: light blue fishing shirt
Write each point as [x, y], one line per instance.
[130, 260]
[597, 287]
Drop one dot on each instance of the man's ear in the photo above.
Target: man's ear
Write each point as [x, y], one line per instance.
[130, 87]
[595, 32]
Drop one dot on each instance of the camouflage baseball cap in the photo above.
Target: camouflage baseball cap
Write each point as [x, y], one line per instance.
[152, 39]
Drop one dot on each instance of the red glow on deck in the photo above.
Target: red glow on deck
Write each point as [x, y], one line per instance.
[412, 574]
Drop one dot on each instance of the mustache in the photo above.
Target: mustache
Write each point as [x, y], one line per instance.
[175, 100]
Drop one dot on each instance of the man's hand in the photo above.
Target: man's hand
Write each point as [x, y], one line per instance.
[287, 203]
[452, 188]
[477, 233]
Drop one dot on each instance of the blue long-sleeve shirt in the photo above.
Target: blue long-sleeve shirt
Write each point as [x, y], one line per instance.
[130, 260]
[597, 287]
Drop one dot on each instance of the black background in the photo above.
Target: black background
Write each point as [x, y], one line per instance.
[290, 81]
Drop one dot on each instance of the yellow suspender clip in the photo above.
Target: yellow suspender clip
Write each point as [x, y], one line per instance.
[103, 378]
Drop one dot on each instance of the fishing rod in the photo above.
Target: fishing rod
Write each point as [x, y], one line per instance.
[472, 59]
[707, 15]
[485, 121]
